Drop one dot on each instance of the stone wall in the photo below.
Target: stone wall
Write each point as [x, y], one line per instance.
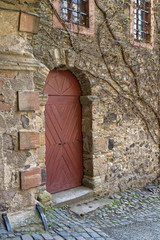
[119, 137]
[21, 127]
[118, 149]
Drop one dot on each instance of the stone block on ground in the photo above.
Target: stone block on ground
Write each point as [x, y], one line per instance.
[45, 198]
[26, 221]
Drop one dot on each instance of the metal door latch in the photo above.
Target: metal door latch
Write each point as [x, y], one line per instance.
[61, 143]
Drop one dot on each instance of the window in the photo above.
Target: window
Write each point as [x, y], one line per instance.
[142, 22]
[75, 11]
[78, 15]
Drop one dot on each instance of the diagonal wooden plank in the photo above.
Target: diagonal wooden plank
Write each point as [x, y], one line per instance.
[70, 122]
[73, 161]
[53, 162]
[49, 135]
[53, 127]
[55, 118]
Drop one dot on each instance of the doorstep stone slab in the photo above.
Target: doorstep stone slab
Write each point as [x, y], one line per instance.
[86, 207]
[72, 196]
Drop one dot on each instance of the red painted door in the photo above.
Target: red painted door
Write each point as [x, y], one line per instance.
[63, 132]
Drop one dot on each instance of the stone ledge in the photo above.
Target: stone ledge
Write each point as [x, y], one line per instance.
[15, 61]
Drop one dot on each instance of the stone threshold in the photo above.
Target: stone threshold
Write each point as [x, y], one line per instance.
[72, 196]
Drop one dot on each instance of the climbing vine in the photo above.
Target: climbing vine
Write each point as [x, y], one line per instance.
[141, 90]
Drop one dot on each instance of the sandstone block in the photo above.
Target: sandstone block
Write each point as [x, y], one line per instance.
[7, 74]
[86, 125]
[25, 121]
[4, 106]
[41, 153]
[44, 197]
[27, 220]
[87, 144]
[43, 99]
[28, 101]
[29, 140]
[1, 84]
[42, 138]
[113, 126]
[29, 23]
[99, 144]
[43, 175]
[30, 178]
[8, 142]
[88, 167]
[1, 97]
[2, 125]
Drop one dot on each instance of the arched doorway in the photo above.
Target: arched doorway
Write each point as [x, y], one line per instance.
[63, 131]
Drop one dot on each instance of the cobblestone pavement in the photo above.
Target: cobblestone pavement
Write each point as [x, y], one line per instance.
[135, 207]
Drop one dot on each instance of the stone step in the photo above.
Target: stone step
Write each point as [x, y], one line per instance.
[72, 196]
[91, 205]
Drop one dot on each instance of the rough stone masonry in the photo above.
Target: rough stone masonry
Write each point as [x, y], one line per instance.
[119, 96]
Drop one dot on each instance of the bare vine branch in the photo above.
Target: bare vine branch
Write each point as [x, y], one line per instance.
[133, 96]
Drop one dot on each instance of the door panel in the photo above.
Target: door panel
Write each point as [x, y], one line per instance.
[63, 143]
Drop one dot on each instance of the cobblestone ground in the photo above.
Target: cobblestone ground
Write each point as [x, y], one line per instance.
[130, 207]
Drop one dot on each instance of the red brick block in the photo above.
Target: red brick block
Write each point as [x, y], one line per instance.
[4, 106]
[28, 101]
[29, 23]
[30, 178]
[29, 140]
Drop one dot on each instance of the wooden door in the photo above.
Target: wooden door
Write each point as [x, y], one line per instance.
[63, 132]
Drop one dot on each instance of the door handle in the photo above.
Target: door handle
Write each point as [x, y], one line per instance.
[62, 143]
